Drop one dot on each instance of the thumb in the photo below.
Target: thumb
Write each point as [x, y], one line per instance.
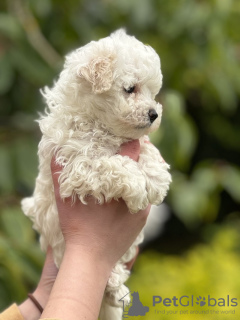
[131, 149]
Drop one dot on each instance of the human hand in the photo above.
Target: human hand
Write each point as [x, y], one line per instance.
[106, 231]
[96, 236]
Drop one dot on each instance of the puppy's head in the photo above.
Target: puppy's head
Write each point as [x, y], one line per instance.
[114, 81]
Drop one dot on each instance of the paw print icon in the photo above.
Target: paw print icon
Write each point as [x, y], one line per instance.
[201, 301]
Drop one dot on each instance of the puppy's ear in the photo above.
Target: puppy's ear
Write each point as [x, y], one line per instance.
[99, 72]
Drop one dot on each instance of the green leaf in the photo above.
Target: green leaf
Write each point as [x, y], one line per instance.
[176, 130]
[10, 27]
[16, 226]
[6, 174]
[230, 179]
[24, 155]
[193, 202]
[6, 74]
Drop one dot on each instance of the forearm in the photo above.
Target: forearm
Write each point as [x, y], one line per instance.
[79, 287]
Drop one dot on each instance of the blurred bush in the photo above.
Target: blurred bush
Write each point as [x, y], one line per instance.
[20, 257]
[210, 268]
[198, 42]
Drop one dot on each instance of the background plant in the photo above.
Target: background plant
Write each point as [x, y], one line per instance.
[198, 42]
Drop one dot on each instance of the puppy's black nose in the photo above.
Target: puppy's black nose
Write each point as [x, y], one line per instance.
[152, 115]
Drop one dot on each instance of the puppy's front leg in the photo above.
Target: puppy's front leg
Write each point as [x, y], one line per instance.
[120, 177]
[155, 170]
[106, 178]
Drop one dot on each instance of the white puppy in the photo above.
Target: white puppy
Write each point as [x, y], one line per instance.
[104, 97]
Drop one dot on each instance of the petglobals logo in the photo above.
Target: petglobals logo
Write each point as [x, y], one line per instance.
[134, 306]
[192, 301]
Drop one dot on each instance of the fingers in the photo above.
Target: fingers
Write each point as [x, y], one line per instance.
[131, 149]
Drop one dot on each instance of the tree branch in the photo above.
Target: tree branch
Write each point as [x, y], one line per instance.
[35, 37]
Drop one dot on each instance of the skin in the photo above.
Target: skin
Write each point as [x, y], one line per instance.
[96, 237]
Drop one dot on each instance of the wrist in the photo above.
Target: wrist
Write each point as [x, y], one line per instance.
[29, 311]
[90, 257]
[41, 296]
[80, 285]
[29, 308]
[94, 255]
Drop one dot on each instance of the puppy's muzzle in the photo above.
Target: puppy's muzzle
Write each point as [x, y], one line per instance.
[152, 114]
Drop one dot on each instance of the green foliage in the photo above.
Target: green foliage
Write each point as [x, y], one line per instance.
[20, 257]
[177, 129]
[207, 269]
[198, 42]
[18, 165]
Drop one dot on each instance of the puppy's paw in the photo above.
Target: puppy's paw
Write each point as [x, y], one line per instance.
[157, 185]
[156, 173]
[120, 177]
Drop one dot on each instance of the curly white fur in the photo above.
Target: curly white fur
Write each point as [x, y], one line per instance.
[90, 114]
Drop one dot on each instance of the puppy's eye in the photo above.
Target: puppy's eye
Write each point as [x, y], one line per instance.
[130, 90]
